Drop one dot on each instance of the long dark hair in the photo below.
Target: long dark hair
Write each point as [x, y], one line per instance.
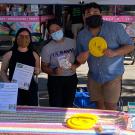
[15, 45]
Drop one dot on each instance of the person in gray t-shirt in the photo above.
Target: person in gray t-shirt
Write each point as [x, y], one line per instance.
[58, 58]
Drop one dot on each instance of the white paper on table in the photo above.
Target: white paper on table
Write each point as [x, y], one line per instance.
[23, 75]
[8, 96]
[64, 62]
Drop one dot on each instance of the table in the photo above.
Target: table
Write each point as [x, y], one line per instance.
[48, 120]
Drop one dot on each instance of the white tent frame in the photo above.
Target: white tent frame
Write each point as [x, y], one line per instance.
[69, 2]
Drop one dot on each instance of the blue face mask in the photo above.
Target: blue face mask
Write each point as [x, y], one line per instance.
[58, 35]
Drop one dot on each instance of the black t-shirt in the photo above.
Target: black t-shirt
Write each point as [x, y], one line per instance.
[76, 14]
[21, 57]
[25, 97]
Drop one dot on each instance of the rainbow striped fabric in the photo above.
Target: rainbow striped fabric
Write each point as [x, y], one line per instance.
[48, 120]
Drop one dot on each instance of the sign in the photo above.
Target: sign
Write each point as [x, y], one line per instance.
[25, 18]
[126, 19]
[8, 96]
[23, 75]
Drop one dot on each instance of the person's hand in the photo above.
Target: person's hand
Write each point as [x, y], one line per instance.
[110, 53]
[37, 71]
[73, 67]
[58, 71]
[82, 57]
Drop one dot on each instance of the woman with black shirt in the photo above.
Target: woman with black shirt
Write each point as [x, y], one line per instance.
[22, 52]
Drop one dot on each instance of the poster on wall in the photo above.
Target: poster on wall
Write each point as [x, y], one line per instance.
[10, 25]
[128, 22]
[35, 9]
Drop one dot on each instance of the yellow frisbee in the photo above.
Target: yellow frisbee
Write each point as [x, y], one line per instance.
[82, 121]
[97, 45]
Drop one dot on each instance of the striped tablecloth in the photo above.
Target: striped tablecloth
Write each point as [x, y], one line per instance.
[48, 120]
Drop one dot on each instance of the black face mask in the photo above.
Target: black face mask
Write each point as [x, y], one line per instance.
[94, 21]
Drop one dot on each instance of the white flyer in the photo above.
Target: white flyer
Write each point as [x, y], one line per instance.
[23, 75]
[8, 96]
[64, 62]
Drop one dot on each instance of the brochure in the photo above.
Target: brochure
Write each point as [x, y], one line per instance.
[64, 62]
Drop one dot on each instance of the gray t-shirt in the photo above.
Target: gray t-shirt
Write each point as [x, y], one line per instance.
[55, 53]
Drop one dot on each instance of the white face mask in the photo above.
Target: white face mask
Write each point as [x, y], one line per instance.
[58, 35]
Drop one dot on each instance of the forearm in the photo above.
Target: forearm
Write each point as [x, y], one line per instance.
[82, 58]
[124, 50]
[77, 63]
[4, 77]
[46, 69]
[37, 70]
[5, 66]
[49, 71]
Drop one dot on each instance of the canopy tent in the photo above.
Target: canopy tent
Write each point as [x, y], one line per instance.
[102, 2]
